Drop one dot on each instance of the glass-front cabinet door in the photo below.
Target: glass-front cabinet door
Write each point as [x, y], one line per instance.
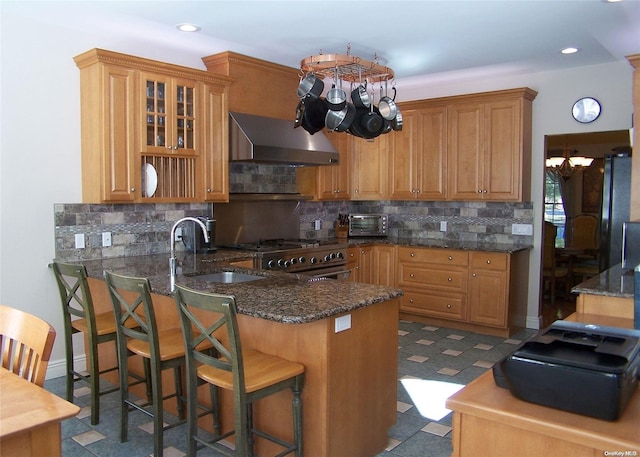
[170, 139]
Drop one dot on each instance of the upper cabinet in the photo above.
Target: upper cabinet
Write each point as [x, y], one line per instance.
[370, 159]
[418, 154]
[151, 131]
[489, 146]
[333, 181]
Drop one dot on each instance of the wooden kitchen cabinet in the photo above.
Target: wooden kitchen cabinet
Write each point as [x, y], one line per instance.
[489, 143]
[418, 161]
[384, 265]
[144, 121]
[216, 139]
[488, 288]
[434, 282]
[360, 262]
[477, 291]
[370, 168]
[333, 181]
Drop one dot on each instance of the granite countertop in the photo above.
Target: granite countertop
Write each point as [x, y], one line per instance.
[281, 297]
[614, 282]
[443, 244]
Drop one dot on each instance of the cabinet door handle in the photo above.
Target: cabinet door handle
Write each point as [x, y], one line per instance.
[450, 258]
[412, 254]
[411, 275]
[488, 261]
[484, 191]
[411, 300]
[208, 190]
[474, 275]
[133, 189]
[449, 305]
[449, 279]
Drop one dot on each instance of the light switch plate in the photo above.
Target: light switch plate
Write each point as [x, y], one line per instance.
[106, 239]
[343, 323]
[443, 226]
[521, 229]
[79, 240]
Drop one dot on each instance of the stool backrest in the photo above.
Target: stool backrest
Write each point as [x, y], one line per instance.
[222, 334]
[75, 295]
[26, 342]
[131, 299]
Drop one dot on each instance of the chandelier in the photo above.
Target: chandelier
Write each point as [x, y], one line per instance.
[345, 93]
[568, 164]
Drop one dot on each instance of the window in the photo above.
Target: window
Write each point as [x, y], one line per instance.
[553, 205]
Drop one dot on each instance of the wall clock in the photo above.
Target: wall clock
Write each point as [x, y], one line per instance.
[586, 110]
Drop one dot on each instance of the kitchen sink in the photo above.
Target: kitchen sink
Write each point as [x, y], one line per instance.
[228, 277]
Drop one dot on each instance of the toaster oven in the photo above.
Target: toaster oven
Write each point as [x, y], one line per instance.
[367, 225]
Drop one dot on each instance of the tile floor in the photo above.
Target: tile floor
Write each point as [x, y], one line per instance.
[425, 352]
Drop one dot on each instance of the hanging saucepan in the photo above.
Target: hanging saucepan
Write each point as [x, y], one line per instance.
[300, 112]
[313, 119]
[372, 122]
[356, 128]
[336, 97]
[311, 86]
[387, 106]
[360, 96]
[396, 123]
[340, 121]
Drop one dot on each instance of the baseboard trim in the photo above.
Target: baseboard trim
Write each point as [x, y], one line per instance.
[57, 368]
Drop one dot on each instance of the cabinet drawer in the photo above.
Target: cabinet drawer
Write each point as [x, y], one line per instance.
[451, 306]
[488, 260]
[433, 277]
[431, 255]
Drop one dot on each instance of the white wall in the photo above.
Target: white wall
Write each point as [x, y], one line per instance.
[40, 140]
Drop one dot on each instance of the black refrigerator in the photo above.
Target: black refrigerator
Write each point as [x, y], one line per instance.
[616, 200]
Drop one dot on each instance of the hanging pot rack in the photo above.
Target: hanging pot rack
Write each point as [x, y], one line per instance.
[351, 68]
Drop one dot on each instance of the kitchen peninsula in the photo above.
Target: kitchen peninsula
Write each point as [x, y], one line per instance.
[349, 396]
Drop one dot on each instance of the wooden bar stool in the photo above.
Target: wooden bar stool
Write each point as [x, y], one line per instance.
[79, 317]
[249, 374]
[131, 299]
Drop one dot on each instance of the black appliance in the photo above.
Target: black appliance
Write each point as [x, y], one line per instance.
[193, 237]
[616, 196]
[581, 368]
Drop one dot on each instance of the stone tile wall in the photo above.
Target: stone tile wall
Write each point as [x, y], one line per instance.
[136, 229]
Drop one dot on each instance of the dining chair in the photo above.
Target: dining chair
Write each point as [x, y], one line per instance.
[79, 316]
[551, 271]
[26, 342]
[131, 299]
[249, 374]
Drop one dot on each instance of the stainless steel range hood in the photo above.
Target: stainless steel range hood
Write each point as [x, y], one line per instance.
[268, 140]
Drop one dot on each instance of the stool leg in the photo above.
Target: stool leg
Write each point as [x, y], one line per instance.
[156, 392]
[297, 416]
[70, 368]
[147, 377]
[177, 373]
[250, 429]
[215, 409]
[94, 373]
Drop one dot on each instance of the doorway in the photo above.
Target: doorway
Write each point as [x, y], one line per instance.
[571, 196]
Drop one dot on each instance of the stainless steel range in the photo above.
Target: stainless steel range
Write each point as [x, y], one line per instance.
[271, 229]
[313, 258]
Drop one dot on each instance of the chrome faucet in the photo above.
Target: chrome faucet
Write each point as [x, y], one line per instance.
[172, 257]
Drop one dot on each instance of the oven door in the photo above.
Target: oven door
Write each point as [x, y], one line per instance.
[334, 272]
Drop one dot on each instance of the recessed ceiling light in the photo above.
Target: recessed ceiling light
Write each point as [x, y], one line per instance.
[187, 27]
[569, 50]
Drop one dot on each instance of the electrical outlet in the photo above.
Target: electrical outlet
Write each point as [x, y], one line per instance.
[317, 224]
[443, 226]
[521, 229]
[343, 323]
[79, 240]
[106, 239]
[178, 234]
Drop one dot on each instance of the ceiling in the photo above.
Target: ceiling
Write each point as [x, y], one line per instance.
[418, 39]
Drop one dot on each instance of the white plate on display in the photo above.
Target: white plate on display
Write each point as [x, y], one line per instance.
[150, 180]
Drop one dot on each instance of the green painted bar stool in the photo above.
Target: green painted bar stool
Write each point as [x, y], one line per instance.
[249, 374]
[131, 299]
[79, 317]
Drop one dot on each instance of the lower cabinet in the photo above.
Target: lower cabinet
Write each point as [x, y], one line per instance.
[373, 264]
[478, 291]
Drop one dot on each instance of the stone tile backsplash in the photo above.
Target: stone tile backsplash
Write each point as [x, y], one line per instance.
[249, 178]
[136, 229]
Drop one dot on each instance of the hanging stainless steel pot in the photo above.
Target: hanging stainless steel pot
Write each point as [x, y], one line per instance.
[396, 123]
[336, 97]
[311, 86]
[340, 121]
[387, 106]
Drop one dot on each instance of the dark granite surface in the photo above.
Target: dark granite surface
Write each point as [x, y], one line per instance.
[614, 282]
[280, 297]
[444, 244]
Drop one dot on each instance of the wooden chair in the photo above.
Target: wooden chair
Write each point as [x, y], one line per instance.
[131, 299]
[552, 272]
[585, 234]
[26, 342]
[249, 374]
[79, 317]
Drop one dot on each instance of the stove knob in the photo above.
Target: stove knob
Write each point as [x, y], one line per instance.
[293, 260]
[281, 263]
[313, 260]
[302, 259]
[327, 258]
[340, 255]
[287, 263]
[271, 263]
[332, 255]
